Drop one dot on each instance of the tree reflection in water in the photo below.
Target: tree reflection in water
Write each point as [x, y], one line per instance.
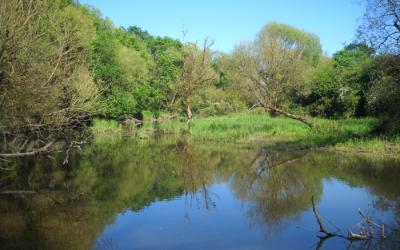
[274, 191]
[113, 175]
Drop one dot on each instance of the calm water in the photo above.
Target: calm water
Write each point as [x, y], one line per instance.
[120, 193]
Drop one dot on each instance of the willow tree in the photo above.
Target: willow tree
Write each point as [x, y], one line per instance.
[197, 73]
[45, 83]
[274, 64]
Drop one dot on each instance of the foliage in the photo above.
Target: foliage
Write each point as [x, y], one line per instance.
[62, 63]
[45, 82]
[337, 85]
[168, 60]
[306, 42]
[149, 97]
[274, 65]
[384, 90]
[118, 103]
[383, 95]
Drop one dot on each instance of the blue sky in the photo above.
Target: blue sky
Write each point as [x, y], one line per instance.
[230, 21]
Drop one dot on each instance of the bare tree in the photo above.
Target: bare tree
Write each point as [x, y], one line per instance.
[197, 72]
[380, 27]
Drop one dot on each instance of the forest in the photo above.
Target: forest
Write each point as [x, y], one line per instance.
[63, 66]
[112, 137]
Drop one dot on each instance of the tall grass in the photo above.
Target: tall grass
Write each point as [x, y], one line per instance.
[353, 134]
[244, 126]
[102, 126]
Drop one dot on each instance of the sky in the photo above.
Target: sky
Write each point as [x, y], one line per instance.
[230, 22]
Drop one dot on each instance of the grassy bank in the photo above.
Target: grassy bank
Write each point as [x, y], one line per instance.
[102, 126]
[353, 134]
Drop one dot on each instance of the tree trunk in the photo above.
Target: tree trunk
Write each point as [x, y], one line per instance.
[292, 116]
[189, 114]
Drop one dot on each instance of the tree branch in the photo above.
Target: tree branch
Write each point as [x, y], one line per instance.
[31, 153]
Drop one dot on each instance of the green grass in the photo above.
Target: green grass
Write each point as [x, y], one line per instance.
[245, 126]
[353, 134]
[102, 126]
[382, 145]
[241, 127]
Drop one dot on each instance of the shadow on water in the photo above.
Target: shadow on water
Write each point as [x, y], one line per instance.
[119, 192]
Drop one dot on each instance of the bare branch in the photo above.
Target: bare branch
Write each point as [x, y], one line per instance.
[31, 153]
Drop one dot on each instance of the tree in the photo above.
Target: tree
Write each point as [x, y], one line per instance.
[336, 86]
[168, 60]
[380, 26]
[383, 91]
[46, 87]
[197, 72]
[322, 89]
[274, 64]
[221, 97]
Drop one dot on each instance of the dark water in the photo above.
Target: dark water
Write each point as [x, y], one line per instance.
[120, 193]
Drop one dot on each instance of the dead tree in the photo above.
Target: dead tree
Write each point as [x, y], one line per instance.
[197, 73]
[366, 226]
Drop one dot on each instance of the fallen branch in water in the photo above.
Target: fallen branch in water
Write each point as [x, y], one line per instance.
[366, 227]
[73, 144]
[18, 192]
[322, 228]
[30, 153]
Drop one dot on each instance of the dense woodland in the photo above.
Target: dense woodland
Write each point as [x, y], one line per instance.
[62, 64]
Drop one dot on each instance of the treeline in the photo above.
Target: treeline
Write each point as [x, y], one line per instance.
[62, 63]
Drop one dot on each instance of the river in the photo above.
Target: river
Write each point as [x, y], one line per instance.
[167, 193]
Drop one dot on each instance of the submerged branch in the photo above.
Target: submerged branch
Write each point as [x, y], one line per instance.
[366, 228]
[322, 228]
[30, 153]
[18, 192]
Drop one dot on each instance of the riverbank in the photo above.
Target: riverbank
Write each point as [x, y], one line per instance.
[350, 135]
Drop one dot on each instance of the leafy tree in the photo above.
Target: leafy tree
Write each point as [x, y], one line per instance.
[148, 98]
[308, 43]
[383, 93]
[134, 68]
[104, 58]
[337, 87]
[142, 34]
[223, 65]
[45, 83]
[148, 67]
[118, 103]
[123, 67]
[349, 67]
[323, 89]
[131, 40]
[168, 60]
[274, 64]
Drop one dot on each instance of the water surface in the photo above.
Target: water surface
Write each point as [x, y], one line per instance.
[123, 193]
